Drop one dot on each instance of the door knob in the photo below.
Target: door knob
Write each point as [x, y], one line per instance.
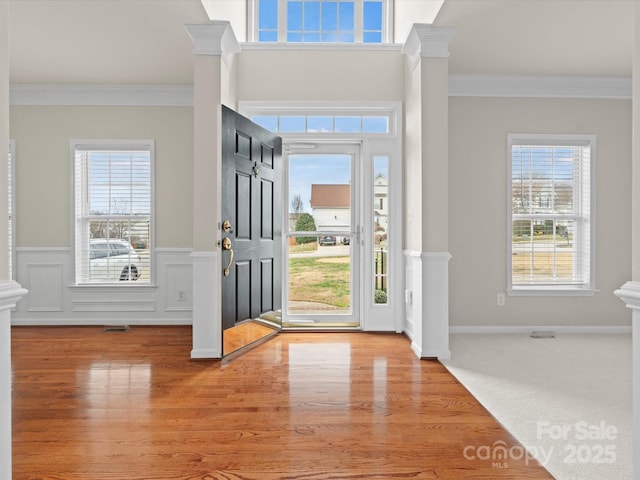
[226, 245]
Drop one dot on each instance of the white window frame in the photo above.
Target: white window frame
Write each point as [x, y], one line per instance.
[112, 144]
[374, 315]
[387, 24]
[587, 218]
[11, 170]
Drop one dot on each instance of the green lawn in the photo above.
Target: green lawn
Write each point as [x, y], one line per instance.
[320, 279]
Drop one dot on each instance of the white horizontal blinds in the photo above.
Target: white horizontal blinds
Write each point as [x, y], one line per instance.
[113, 228]
[550, 207]
[10, 206]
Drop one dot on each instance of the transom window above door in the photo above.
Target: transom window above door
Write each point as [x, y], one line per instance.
[320, 21]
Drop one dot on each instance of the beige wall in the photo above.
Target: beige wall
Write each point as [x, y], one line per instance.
[478, 197]
[339, 75]
[412, 212]
[43, 175]
[478, 129]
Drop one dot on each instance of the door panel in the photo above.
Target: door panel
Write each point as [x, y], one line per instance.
[243, 207]
[251, 240]
[266, 225]
[243, 289]
[266, 271]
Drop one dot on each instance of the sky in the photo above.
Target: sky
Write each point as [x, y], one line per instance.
[306, 169]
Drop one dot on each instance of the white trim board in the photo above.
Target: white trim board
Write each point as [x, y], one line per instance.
[89, 322]
[527, 329]
[460, 85]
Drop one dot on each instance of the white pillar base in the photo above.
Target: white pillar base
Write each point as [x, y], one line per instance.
[429, 308]
[629, 293]
[435, 305]
[10, 293]
[207, 322]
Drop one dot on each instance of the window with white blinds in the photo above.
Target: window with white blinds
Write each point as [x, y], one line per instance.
[113, 184]
[10, 204]
[551, 227]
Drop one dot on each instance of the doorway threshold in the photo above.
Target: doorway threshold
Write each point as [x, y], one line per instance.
[319, 326]
[249, 333]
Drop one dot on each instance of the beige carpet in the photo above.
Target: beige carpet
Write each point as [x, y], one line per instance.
[567, 399]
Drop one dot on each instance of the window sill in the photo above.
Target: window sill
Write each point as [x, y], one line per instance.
[392, 47]
[551, 292]
[113, 286]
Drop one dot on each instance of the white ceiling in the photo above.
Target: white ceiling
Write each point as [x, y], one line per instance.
[142, 42]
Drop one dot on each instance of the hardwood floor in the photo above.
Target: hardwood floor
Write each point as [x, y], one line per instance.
[91, 405]
[244, 334]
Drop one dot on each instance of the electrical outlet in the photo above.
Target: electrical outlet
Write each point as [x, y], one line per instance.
[501, 299]
[181, 296]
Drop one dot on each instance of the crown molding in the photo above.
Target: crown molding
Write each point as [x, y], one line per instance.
[427, 41]
[629, 293]
[215, 38]
[460, 85]
[102, 95]
[536, 86]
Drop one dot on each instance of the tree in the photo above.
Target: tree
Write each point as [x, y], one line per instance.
[305, 223]
[297, 205]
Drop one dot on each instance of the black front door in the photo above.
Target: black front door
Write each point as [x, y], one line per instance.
[252, 220]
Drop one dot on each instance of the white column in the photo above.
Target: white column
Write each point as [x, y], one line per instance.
[10, 291]
[214, 43]
[427, 48]
[630, 291]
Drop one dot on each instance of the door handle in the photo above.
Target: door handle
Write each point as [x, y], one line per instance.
[226, 245]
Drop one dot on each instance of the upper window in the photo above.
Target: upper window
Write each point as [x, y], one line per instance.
[113, 211]
[321, 21]
[551, 231]
[301, 123]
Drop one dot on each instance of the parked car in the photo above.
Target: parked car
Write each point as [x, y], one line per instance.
[346, 240]
[327, 240]
[113, 260]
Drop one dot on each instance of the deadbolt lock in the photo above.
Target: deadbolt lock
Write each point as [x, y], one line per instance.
[226, 226]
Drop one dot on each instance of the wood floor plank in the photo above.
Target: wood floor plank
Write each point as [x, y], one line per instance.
[95, 405]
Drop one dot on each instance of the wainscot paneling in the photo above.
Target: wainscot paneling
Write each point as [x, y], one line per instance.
[54, 299]
[413, 290]
[44, 282]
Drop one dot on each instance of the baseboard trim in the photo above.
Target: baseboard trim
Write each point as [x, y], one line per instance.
[526, 329]
[203, 353]
[416, 349]
[69, 322]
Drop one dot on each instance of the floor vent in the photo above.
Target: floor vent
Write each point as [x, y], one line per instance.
[117, 328]
[543, 334]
